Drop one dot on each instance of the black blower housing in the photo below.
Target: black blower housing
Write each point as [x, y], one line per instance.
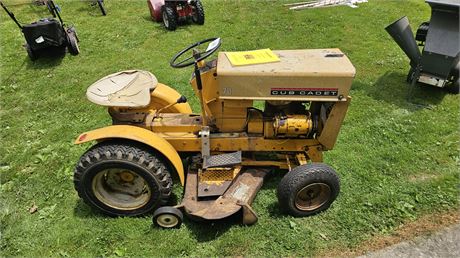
[401, 32]
[438, 64]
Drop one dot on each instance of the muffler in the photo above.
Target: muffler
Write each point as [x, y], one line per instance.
[401, 32]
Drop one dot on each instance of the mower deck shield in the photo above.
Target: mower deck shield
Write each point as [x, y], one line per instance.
[239, 196]
[129, 88]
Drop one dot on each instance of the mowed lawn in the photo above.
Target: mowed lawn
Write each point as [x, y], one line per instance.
[398, 160]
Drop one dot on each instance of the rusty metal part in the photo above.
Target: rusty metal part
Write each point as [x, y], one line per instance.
[123, 115]
[315, 153]
[239, 196]
[121, 189]
[301, 159]
[312, 196]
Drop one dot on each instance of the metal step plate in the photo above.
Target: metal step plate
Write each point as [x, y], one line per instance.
[222, 160]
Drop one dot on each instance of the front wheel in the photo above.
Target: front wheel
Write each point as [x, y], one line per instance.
[169, 18]
[308, 189]
[198, 14]
[167, 217]
[122, 179]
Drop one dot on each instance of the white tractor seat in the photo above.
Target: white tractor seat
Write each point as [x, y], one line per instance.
[129, 88]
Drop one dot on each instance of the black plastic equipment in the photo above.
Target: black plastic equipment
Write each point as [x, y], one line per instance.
[438, 63]
[47, 34]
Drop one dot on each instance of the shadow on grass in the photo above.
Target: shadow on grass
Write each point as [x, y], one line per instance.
[8, 78]
[47, 58]
[393, 89]
[82, 210]
[208, 230]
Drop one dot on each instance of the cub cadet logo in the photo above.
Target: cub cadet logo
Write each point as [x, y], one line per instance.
[304, 91]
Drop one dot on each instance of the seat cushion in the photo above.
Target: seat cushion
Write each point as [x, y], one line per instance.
[129, 88]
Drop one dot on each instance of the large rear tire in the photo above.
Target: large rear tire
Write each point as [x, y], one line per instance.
[122, 178]
[308, 189]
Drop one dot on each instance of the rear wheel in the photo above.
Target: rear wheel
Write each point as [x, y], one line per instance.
[308, 189]
[122, 179]
[73, 43]
[198, 14]
[169, 18]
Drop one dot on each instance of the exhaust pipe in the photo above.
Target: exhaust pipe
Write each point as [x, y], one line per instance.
[401, 32]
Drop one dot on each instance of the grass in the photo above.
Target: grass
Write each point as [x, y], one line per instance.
[398, 161]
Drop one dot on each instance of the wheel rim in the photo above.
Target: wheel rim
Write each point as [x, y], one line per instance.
[121, 189]
[167, 220]
[165, 19]
[312, 196]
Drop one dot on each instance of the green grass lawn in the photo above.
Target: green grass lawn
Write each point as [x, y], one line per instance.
[397, 160]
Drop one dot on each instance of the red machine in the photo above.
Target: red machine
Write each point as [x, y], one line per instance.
[173, 12]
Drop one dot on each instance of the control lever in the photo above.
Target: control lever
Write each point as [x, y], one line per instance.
[181, 99]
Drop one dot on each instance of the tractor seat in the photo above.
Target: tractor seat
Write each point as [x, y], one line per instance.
[129, 88]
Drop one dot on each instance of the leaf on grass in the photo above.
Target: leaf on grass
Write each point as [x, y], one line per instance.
[292, 224]
[119, 252]
[323, 236]
[33, 209]
[47, 212]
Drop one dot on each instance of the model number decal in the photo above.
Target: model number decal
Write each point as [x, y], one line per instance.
[227, 91]
[304, 91]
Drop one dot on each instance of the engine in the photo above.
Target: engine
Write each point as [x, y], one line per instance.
[288, 119]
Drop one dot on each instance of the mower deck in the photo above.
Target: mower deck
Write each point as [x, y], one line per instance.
[239, 196]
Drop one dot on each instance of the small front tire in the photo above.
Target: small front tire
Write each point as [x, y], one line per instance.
[308, 189]
[167, 217]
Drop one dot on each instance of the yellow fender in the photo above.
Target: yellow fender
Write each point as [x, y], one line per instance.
[163, 95]
[140, 135]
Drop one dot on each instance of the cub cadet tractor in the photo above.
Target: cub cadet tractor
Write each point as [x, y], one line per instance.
[229, 148]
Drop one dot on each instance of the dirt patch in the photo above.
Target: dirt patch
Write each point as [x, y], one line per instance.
[422, 177]
[425, 225]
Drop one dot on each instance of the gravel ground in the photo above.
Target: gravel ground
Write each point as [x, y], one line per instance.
[445, 243]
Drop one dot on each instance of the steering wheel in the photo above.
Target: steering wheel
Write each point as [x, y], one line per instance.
[197, 55]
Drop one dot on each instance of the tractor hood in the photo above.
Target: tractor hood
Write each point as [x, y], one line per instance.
[302, 75]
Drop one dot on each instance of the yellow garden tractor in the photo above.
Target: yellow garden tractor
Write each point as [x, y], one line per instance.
[254, 119]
